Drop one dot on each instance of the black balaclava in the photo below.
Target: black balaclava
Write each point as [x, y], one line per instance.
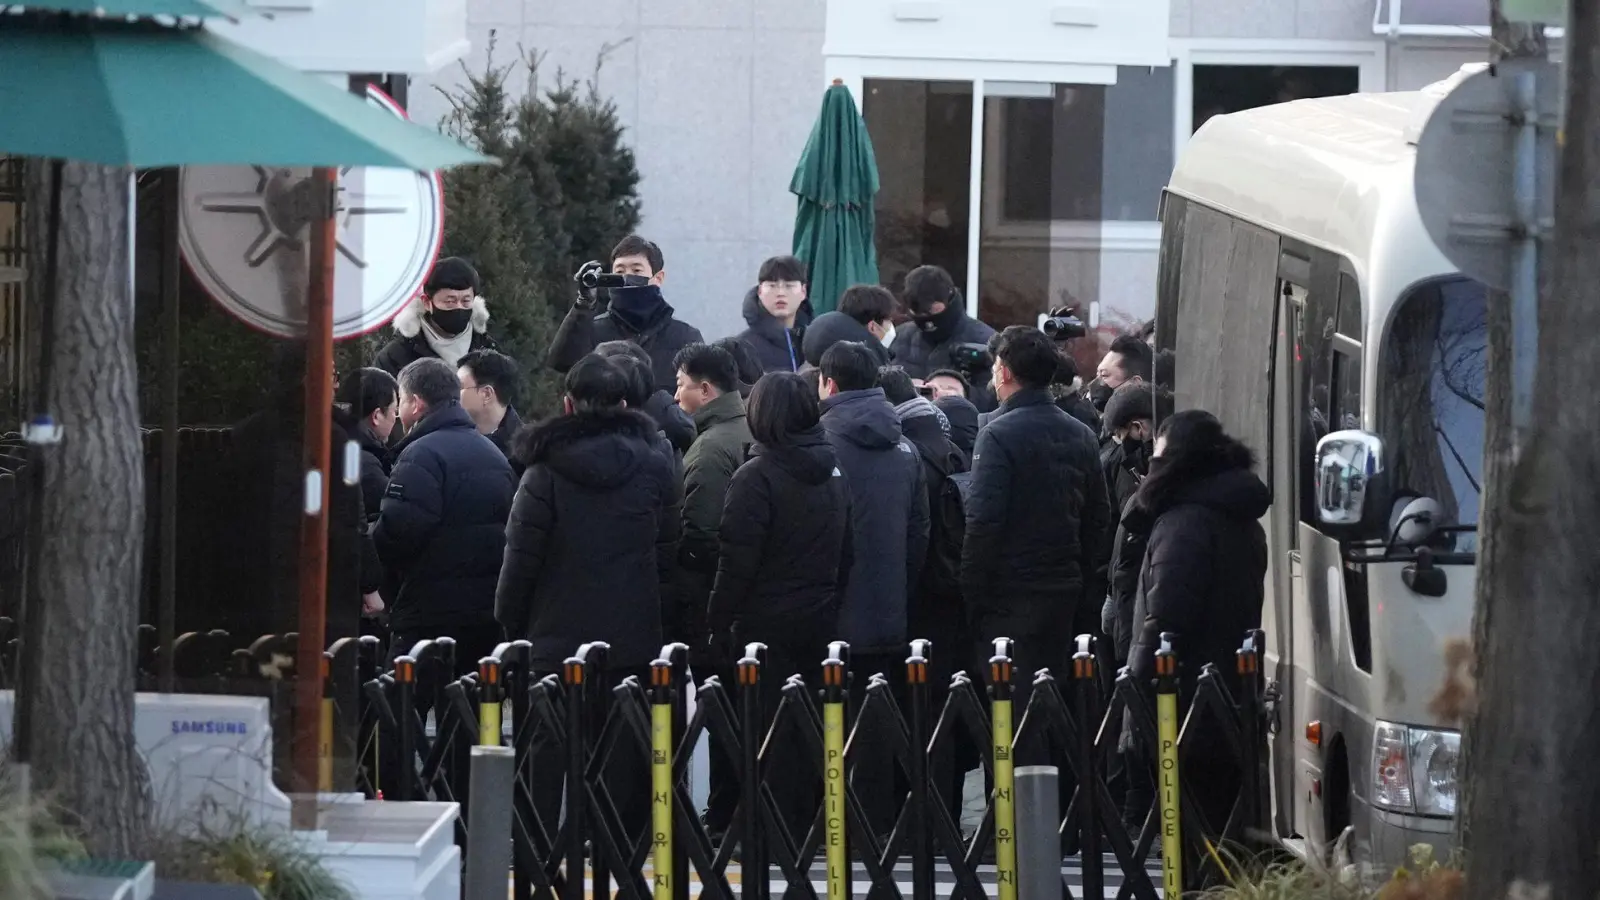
[940, 327]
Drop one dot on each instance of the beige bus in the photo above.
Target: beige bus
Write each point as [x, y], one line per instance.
[1311, 312]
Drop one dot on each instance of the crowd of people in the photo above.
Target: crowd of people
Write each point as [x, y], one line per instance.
[813, 478]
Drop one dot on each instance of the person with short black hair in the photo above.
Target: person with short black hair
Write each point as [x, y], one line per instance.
[591, 539]
[708, 389]
[1129, 359]
[777, 311]
[948, 383]
[441, 528]
[939, 323]
[784, 559]
[749, 367]
[889, 528]
[1037, 511]
[865, 315]
[446, 321]
[645, 397]
[368, 406]
[489, 383]
[637, 313]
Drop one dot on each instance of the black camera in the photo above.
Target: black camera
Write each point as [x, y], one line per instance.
[592, 280]
[971, 357]
[1063, 328]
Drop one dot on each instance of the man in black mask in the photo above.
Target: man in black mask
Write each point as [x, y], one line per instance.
[1128, 360]
[1130, 420]
[447, 320]
[939, 323]
[637, 313]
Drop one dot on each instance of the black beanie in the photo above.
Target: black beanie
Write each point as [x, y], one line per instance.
[452, 274]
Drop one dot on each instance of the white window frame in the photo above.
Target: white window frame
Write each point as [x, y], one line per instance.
[1104, 235]
[1370, 59]
[853, 72]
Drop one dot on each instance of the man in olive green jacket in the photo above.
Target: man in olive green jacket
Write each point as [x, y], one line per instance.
[708, 390]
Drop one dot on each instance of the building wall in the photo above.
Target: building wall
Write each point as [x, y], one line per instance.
[718, 97]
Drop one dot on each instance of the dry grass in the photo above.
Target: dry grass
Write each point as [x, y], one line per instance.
[1424, 879]
[274, 863]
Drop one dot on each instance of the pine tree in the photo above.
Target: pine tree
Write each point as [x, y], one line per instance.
[565, 192]
[493, 218]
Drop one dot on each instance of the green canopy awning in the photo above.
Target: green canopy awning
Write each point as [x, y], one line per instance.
[201, 9]
[836, 181]
[147, 95]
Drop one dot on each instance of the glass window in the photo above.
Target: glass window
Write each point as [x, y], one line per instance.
[922, 135]
[1230, 89]
[1063, 165]
[1432, 410]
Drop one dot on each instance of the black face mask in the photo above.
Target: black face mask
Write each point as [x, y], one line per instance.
[1099, 394]
[629, 281]
[1136, 455]
[451, 322]
[939, 327]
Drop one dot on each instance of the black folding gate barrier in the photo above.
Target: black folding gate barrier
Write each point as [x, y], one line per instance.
[802, 768]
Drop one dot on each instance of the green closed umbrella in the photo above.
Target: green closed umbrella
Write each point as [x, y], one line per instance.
[147, 95]
[836, 181]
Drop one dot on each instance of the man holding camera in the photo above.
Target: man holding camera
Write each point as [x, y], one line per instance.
[625, 304]
[941, 335]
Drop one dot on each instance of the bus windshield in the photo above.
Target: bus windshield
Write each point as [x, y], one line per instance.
[1432, 411]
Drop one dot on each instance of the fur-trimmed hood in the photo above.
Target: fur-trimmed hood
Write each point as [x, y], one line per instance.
[595, 449]
[409, 322]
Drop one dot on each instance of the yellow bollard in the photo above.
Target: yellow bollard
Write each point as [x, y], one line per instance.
[325, 729]
[1005, 813]
[661, 777]
[491, 701]
[1167, 783]
[833, 728]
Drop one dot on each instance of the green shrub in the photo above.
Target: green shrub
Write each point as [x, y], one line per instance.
[272, 862]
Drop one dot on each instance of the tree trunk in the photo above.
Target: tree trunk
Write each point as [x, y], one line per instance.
[1530, 786]
[81, 696]
[1511, 41]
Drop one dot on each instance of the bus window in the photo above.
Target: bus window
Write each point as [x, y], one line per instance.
[1431, 410]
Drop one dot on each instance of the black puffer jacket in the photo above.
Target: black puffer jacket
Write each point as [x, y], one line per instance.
[889, 518]
[1124, 549]
[785, 543]
[1036, 517]
[375, 459]
[1205, 564]
[441, 529]
[584, 329]
[919, 356]
[831, 328]
[592, 537]
[776, 348]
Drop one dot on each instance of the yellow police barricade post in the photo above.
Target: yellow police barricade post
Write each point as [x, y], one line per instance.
[833, 727]
[1167, 780]
[661, 777]
[1005, 812]
[491, 702]
[325, 728]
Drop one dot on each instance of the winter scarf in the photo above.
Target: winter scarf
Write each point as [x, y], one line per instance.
[449, 348]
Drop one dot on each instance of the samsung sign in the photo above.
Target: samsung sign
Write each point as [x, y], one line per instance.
[213, 726]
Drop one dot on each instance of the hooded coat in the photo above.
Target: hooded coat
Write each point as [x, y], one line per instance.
[585, 328]
[889, 518]
[410, 344]
[920, 352]
[592, 537]
[785, 545]
[833, 327]
[776, 348]
[1205, 565]
[442, 525]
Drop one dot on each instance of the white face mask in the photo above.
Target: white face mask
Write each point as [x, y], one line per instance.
[887, 337]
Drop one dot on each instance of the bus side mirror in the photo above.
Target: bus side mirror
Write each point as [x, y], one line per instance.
[1351, 487]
